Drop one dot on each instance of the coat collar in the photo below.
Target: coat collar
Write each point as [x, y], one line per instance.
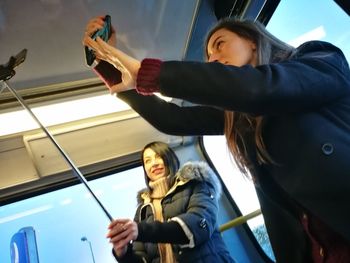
[190, 171]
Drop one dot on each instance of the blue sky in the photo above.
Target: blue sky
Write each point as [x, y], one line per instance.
[61, 218]
[295, 18]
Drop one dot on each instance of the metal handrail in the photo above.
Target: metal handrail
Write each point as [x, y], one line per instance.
[239, 220]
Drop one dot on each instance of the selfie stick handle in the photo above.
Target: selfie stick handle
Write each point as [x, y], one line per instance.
[75, 169]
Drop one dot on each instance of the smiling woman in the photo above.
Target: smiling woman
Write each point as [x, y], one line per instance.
[153, 165]
[175, 202]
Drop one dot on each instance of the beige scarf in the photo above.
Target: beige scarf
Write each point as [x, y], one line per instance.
[159, 189]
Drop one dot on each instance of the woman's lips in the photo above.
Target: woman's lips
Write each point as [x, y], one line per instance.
[158, 170]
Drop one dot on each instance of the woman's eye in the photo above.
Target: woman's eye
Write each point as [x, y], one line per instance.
[219, 44]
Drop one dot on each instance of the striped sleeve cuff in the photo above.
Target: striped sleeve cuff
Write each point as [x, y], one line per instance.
[187, 232]
[147, 81]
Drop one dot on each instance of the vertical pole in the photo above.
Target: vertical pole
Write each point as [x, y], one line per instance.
[92, 252]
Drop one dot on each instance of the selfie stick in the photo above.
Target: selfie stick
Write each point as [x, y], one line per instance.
[7, 72]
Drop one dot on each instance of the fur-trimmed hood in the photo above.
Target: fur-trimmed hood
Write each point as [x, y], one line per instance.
[199, 171]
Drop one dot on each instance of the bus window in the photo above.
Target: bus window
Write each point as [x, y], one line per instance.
[296, 22]
[67, 224]
[241, 188]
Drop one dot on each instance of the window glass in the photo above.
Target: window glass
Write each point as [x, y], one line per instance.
[298, 21]
[69, 225]
[241, 188]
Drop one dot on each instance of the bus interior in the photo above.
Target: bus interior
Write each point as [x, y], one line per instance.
[44, 206]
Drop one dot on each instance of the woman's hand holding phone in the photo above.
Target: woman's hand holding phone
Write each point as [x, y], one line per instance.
[128, 66]
[98, 27]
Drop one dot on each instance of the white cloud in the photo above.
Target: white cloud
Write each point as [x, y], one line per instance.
[25, 213]
[315, 34]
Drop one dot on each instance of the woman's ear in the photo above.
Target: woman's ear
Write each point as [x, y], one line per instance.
[253, 45]
[254, 60]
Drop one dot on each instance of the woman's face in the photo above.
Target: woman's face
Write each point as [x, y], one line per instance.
[229, 48]
[154, 165]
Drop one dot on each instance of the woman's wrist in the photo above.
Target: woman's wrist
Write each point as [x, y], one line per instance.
[120, 253]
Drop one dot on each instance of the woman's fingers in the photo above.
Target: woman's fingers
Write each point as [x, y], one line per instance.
[123, 239]
[91, 29]
[120, 235]
[116, 230]
[89, 42]
[117, 226]
[123, 231]
[119, 221]
[94, 25]
[104, 51]
[107, 48]
[108, 53]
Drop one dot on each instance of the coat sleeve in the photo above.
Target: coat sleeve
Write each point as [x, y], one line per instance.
[172, 119]
[200, 219]
[131, 255]
[317, 74]
[199, 120]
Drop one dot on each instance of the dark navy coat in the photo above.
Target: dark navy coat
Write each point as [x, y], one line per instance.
[305, 101]
[193, 203]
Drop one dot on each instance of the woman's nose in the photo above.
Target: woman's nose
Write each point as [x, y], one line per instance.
[213, 57]
[155, 162]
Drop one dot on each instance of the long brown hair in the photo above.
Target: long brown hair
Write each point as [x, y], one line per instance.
[238, 124]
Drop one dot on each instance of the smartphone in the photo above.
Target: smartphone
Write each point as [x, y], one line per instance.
[104, 33]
